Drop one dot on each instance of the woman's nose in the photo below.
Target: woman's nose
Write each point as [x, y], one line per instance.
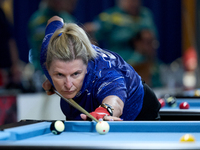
[68, 83]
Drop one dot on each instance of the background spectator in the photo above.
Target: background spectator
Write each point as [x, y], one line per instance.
[36, 30]
[10, 70]
[116, 26]
[144, 59]
[38, 20]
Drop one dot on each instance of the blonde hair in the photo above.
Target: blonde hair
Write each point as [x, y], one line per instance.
[70, 43]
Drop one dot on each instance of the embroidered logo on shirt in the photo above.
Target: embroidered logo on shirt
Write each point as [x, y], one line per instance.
[106, 84]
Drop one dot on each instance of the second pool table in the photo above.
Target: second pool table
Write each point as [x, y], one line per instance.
[175, 113]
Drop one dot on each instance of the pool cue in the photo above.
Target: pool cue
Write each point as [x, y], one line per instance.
[77, 106]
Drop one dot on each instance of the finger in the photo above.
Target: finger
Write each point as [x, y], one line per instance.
[47, 86]
[110, 118]
[50, 92]
[83, 116]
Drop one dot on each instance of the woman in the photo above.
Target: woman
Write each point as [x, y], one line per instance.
[100, 81]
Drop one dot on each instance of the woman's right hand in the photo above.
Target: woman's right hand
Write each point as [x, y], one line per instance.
[47, 86]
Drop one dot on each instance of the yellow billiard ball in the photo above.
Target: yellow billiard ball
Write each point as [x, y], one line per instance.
[187, 138]
[197, 93]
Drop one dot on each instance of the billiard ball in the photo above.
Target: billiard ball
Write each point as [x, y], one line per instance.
[102, 127]
[184, 105]
[171, 101]
[187, 138]
[162, 102]
[57, 127]
[197, 93]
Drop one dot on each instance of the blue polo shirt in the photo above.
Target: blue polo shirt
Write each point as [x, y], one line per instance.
[107, 74]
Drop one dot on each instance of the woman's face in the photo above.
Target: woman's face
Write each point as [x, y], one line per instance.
[68, 77]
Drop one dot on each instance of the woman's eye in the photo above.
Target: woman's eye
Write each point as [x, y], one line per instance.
[59, 74]
[75, 74]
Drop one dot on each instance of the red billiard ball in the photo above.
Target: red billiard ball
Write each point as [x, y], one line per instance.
[184, 105]
[162, 102]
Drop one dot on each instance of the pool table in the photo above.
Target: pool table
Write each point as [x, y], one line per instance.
[175, 113]
[82, 135]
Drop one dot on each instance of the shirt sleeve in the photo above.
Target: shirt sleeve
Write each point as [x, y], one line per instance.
[111, 83]
[50, 29]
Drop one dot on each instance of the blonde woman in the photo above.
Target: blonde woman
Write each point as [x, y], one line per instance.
[100, 81]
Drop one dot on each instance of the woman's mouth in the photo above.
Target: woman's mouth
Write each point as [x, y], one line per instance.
[68, 92]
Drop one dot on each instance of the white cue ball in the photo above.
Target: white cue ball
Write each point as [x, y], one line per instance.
[102, 127]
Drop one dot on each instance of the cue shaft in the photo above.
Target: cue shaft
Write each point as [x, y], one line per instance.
[77, 106]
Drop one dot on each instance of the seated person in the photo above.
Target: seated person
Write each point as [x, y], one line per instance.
[144, 59]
